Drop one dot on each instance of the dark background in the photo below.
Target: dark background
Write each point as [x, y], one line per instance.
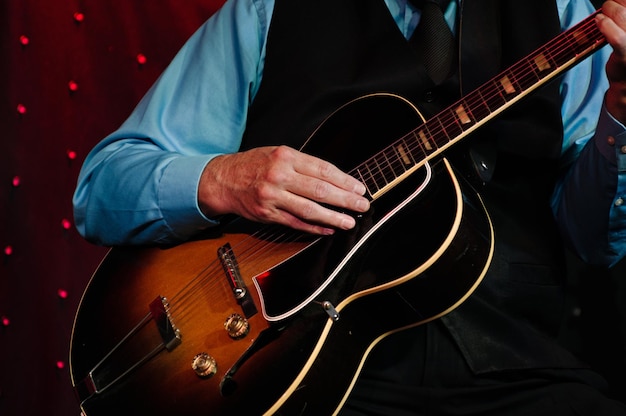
[71, 71]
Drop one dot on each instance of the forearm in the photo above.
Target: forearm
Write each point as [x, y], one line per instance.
[140, 184]
[129, 193]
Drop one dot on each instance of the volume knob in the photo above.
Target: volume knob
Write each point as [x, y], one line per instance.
[204, 365]
[237, 326]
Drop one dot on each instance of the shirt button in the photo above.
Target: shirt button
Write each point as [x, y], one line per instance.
[611, 140]
[429, 97]
[619, 202]
[623, 150]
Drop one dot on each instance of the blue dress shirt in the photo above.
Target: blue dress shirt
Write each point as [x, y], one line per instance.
[140, 184]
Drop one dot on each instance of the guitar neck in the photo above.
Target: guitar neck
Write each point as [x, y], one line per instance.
[397, 161]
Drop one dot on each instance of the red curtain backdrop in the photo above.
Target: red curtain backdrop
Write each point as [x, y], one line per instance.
[70, 72]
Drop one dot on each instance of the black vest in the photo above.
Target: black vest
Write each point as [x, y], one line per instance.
[323, 53]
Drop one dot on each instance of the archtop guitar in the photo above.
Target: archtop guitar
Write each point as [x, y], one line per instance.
[259, 319]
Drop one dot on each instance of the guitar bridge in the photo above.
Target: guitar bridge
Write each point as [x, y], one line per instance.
[237, 285]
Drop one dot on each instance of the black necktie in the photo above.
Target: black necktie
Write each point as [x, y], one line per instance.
[434, 41]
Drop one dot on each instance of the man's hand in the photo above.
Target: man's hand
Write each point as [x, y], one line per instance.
[612, 24]
[281, 185]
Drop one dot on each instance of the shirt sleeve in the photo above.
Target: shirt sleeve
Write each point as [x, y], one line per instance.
[140, 183]
[589, 200]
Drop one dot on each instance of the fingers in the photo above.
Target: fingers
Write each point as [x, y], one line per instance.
[612, 24]
[317, 180]
[328, 172]
[323, 182]
[316, 193]
[335, 191]
[282, 185]
[296, 222]
[314, 214]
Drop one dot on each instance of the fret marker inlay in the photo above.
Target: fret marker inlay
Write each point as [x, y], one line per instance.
[403, 154]
[432, 137]
[462, 115]
[424, 140]
[580, 37]
[507, 85]
[541, 62]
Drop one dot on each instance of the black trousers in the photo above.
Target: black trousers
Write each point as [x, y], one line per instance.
[420, 372]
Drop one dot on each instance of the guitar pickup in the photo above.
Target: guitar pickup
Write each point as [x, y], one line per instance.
[237, 285]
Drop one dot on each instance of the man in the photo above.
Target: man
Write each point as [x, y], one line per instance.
[218, 134]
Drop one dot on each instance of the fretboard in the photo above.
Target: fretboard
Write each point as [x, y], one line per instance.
[394, 163]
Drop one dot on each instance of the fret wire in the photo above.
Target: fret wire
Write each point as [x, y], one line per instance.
[493, 96]
[380, 171]
[452, 126]
[555, 52]
[375, 173]
[389, 178]
[358, 175]
[466, 113]
[392, 161]
[396, 164]
[433, 128]
[415, 139]
[550, 57]
[423, 137]
[415, 136]
[527, 76]
[418, 152]
[405, 156]
[480, 108]
[386, 162]
[446, 119]
[372, 180]
[438, 132]
[479, 104]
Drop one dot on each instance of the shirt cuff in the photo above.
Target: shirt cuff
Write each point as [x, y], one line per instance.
[178, 196]
[611, 140]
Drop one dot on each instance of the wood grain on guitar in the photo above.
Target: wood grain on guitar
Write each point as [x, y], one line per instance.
[259, 319]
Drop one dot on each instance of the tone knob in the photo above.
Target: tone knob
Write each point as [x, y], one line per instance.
[237, 326]
[204, 365]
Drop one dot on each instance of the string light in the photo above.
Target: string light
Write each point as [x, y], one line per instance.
[60, 93]
[79, 17]
[72, 86]
[66, 224]
[141, 59]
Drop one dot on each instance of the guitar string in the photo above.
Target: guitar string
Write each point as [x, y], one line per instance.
[436, 128]
[447, 119]
[523, 70]
[254, 242]
[437, 131]
[203, 298]
[258, 243]
[212, 282]
[180, 309]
